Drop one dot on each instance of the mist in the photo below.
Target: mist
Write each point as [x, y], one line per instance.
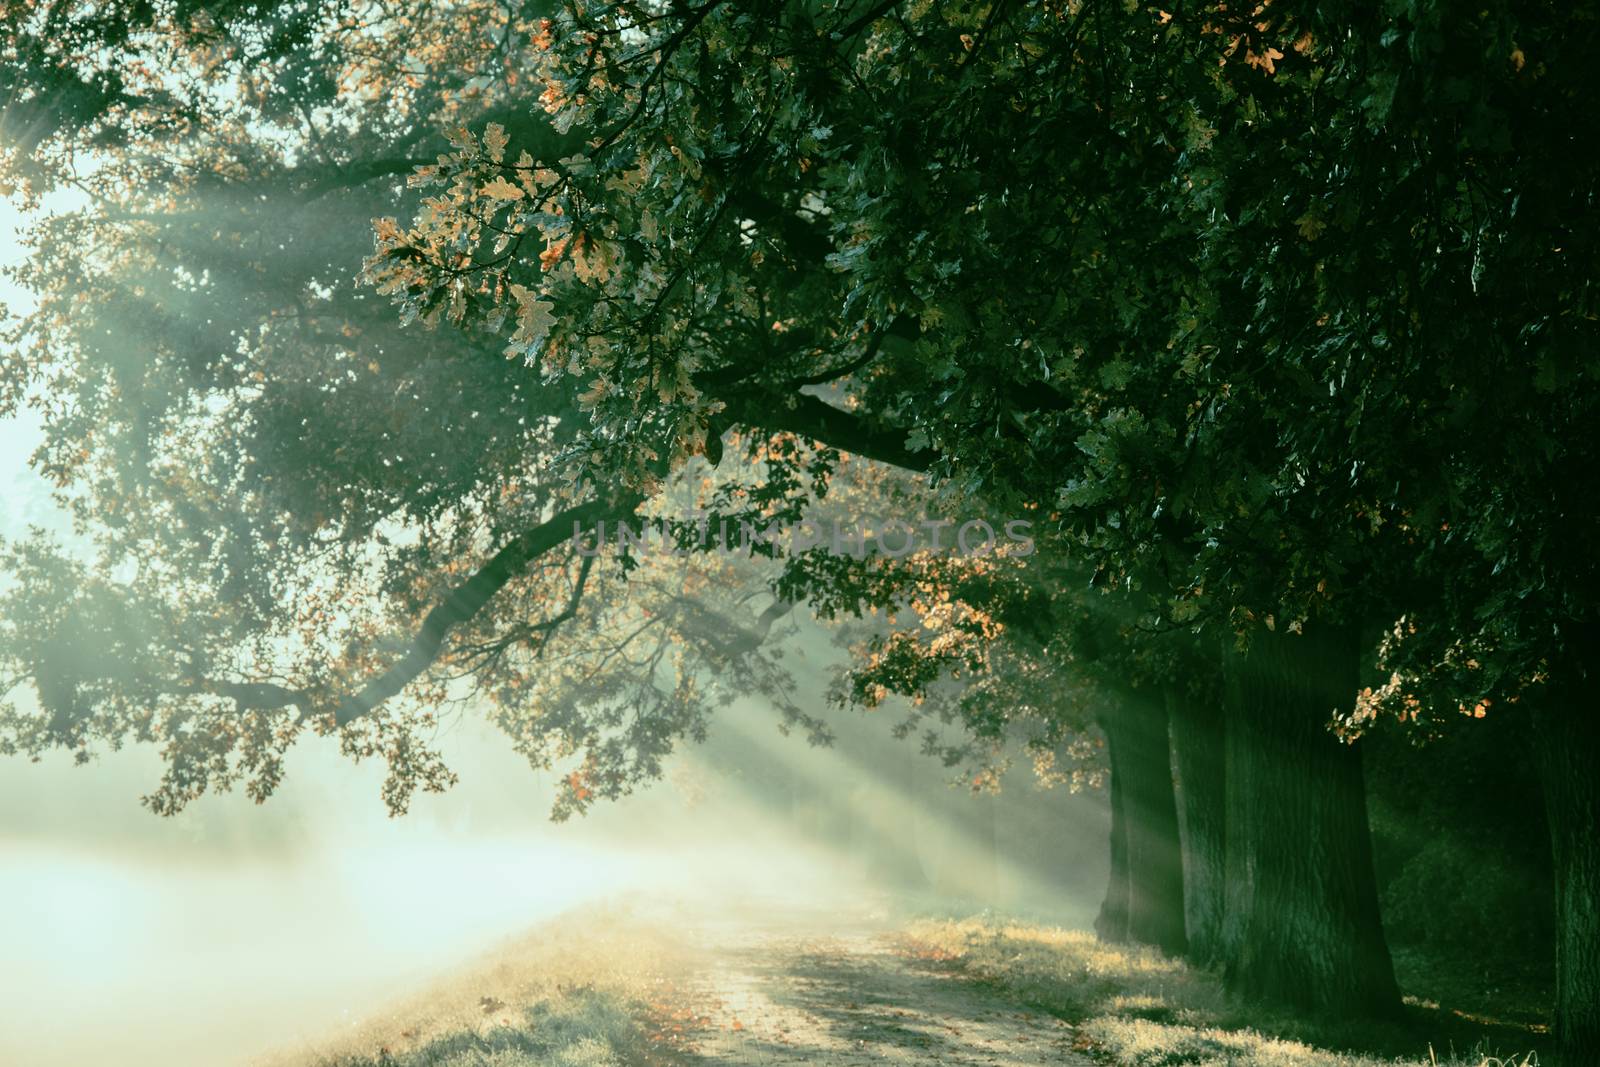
[233, 930]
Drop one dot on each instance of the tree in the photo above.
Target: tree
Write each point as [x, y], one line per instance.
[717, 202]
[1199, 761]
[1018, 654]
[1224, 288]
[281, 476]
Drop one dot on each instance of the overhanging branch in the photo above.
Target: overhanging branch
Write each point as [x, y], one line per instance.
[461, 605]
[802, 414]
[816, 419]
[469, 598]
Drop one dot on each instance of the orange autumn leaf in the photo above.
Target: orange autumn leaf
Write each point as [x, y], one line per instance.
[553, 253]
[1266, 60]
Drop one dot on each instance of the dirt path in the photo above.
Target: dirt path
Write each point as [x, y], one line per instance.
[778, 996]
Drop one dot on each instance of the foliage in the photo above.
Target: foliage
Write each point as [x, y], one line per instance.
[1093, 256]
[1222, 291]
[279, 478]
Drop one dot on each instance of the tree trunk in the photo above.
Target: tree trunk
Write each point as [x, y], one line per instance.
[1199, 762]
[1568, 740]
[1301, 924]
[1112, 922]
[1144, 900]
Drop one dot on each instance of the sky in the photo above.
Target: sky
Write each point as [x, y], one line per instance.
[232, 930]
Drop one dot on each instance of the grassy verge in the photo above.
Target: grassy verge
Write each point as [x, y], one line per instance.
[588, 991]
[1136, 1008]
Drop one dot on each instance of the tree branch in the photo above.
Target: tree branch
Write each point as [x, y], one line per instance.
[807, 415]
[256, 696]
[873, 14]
[544, 628]
[814, 418]
[461, 605]
[469, 598]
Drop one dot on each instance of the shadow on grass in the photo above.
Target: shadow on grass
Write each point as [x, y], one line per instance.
[850, 1001]
[1137, 1008]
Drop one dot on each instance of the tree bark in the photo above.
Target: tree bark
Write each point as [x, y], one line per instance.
[1144, 898]
[1568, 741]
[1301, 923]
[1112, 922]
[1199, 761]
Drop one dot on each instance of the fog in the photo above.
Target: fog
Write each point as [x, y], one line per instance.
[234, 929]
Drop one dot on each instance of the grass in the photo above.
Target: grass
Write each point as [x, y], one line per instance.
[587, 991]
[597, 989]
[1136, 1008]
